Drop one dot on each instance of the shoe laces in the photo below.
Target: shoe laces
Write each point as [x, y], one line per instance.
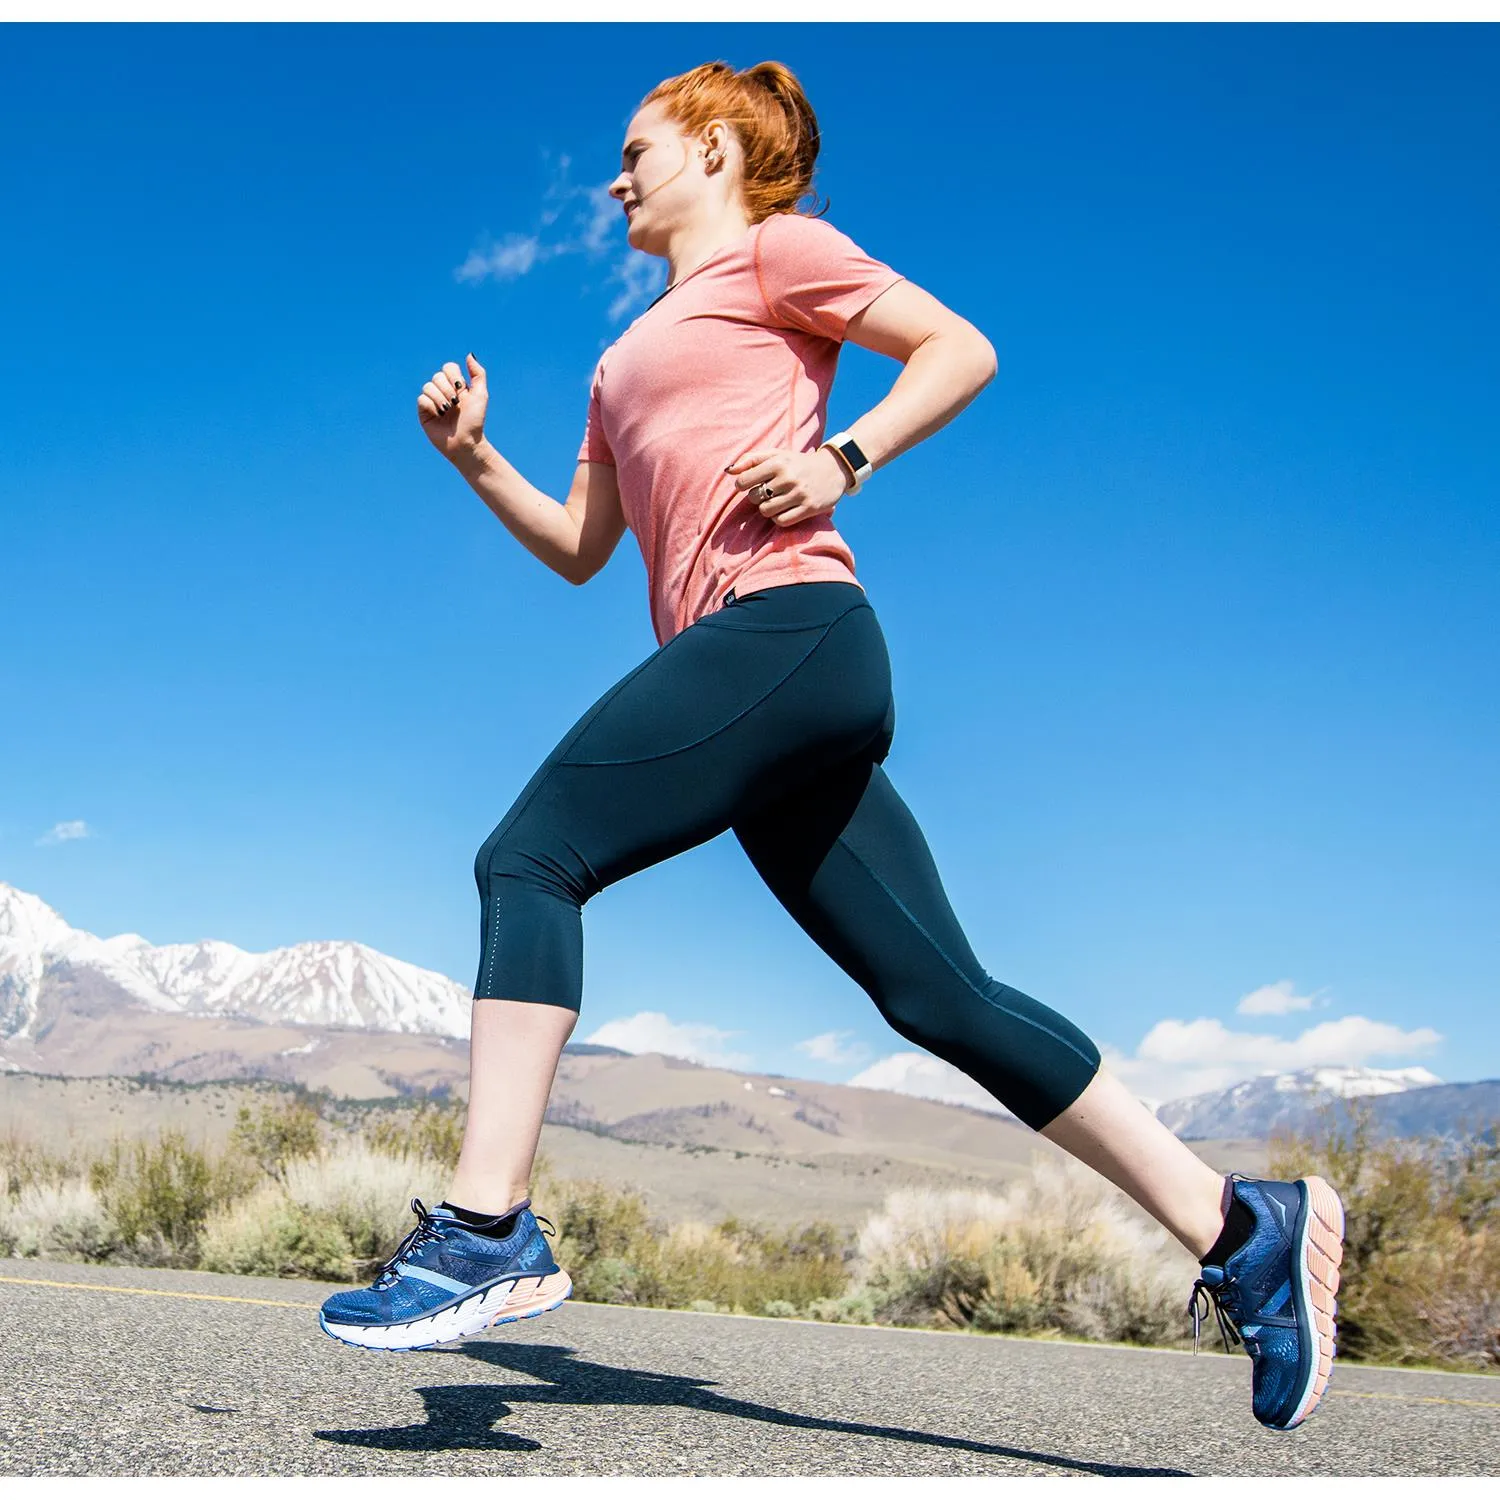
[423, 1232]
[1205, 1297]
[428, 1229]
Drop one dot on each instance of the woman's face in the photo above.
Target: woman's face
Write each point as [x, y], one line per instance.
[662, 183]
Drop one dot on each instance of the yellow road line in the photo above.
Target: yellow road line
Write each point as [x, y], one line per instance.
[1396, 1396]
[147, 1291]
[144, 1291]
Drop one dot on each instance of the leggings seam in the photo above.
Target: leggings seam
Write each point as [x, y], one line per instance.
[781, 682]
[938, 949]
[489, 973]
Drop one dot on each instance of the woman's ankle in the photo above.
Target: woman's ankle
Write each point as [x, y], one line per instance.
[492, 1198]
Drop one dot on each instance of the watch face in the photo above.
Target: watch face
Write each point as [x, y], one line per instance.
[850, 449]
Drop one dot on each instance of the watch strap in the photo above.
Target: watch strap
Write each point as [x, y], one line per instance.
[851, 456]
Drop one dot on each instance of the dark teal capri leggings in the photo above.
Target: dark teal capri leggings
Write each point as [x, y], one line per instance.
[770, 716]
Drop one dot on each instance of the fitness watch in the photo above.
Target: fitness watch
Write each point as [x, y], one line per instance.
[851, 456]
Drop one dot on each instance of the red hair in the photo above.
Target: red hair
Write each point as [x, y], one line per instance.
[771, 119]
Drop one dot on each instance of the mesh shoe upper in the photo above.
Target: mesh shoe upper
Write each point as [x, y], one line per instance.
[444, 1247]
[1255, 1294]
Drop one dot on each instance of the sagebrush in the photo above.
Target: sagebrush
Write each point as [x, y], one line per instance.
[1420, 1281]
[1059, 1253]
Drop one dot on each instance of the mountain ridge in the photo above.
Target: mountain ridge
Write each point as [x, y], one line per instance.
[1399, 1101]
[345, 1017]
[326, 983]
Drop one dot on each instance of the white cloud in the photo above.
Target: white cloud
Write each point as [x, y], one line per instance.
[1277, 999]
[557, 190]
[651, 1031]
[594, 225]
[642, 278]
[514, 256]
[1176, 1059]
[926, 1077]
[831, 1047]
[605, 224]
[61, 833]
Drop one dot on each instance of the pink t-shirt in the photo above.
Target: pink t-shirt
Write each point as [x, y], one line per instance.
[738, 357]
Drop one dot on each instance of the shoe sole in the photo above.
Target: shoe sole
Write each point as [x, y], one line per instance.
[1320, 1251]
[505, 1302]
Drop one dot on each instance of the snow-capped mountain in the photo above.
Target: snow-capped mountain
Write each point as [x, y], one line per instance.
[1258, 1106]
[308, 984]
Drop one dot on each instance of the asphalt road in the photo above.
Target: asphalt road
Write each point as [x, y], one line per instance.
[195, 1374]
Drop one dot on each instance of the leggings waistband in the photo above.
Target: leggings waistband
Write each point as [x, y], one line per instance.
[788, 606]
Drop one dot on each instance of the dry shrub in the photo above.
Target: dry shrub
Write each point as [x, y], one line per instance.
[24, 1161]
[267, 1234]
[58, 1220]
[746, 1267]
[158, 1192]
[432, 1129]
[605, 1243]
[1060, 1252]
[366, 1193]
[851, 1307]
[1420, 1281]
[615, 1252]
[277, 1131]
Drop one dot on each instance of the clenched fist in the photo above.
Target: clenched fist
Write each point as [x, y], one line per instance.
[452, 413]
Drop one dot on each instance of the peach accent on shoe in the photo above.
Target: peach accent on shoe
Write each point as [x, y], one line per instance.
[1323, 1253]
[532, 1294]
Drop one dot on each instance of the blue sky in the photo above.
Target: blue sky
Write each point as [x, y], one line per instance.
[1191, 614]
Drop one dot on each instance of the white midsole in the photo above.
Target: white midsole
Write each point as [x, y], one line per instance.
[509, 1299]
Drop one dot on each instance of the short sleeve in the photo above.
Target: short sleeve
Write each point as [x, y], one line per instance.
[594, 448]
[814, 276]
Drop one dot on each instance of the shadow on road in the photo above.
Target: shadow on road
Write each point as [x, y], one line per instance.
[464, 1416]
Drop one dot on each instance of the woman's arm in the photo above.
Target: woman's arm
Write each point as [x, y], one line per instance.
[556, 534]
[574, 539]
[947, 360]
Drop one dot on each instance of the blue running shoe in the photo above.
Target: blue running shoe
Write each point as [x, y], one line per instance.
[445, 1282]
[1275, 1293]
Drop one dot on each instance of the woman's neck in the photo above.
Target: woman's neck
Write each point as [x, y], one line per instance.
[701, 242]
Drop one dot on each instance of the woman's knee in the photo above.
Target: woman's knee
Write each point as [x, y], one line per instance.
[1031, 1058]
[482, 865]
[929, 1019]
[549, 865]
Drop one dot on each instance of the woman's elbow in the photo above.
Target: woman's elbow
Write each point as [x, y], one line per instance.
[989, 360]
[976, 353]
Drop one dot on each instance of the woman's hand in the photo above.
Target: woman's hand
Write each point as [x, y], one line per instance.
[803, 485]
[452, 413]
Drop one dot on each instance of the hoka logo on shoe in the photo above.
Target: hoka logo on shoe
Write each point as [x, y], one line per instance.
[530, 1253]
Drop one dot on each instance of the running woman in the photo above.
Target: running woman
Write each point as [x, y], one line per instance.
[767, 709]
